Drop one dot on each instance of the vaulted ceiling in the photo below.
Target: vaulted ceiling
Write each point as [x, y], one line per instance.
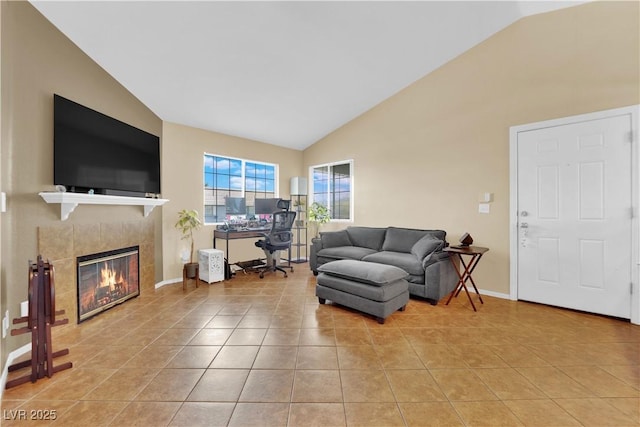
[285, 73]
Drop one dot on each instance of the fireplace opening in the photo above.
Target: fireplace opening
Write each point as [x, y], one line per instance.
[106, 279]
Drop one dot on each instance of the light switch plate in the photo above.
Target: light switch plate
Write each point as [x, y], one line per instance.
[5, 324]
[24, 308]
[485, 197]
[484, 208]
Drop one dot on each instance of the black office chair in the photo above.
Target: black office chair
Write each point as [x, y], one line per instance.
[283, 204]
[278, 239]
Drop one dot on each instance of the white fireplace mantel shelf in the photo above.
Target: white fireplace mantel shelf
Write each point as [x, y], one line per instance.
[69, 201]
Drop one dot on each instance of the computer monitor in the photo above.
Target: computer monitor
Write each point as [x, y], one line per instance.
[266, 206]
[235, 206]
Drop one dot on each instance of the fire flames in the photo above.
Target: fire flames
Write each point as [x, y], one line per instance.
[108, 278]
[111, 284]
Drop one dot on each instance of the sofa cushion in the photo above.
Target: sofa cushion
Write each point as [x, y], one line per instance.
[367, 237]
[332, 239]
[426, 246]
[406, 261]
[364, 272]
[345, 252]
[403, 239]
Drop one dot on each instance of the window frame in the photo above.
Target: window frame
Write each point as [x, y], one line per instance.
[328, 192]
[243, 169]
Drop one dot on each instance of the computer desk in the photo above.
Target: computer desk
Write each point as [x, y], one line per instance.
[240, 234]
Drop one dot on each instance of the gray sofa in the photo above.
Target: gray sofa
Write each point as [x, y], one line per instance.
[418, 252]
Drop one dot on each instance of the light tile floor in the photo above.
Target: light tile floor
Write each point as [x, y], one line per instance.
[251, 352]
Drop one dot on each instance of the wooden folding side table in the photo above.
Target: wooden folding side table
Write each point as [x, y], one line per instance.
[475, 252]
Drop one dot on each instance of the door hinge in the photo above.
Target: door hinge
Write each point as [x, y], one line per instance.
[631, 288]
[630, 136]
[631, 212]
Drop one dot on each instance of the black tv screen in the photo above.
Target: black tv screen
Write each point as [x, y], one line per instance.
[96, 152]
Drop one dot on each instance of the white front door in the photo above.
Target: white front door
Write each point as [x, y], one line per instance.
[574, 215]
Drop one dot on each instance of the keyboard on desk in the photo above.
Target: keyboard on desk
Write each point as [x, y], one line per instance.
[231, 229]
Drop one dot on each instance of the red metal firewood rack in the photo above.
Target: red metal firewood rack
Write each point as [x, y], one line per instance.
[41, 317]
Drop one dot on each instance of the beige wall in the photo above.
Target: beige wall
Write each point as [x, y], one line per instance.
[422, 157]
[182, 183]
[38, 61]
[3, 350]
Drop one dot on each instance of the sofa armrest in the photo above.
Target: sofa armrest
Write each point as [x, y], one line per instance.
[316, 245]
[434, 257]
[440, 276]
[316, 242]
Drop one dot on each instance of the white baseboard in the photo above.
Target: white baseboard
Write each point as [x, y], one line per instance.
[168, 282]
[493, 294]
[12, 356]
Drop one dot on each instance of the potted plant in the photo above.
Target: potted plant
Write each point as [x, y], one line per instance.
[299, 204]
[318, 214]
[188, 220]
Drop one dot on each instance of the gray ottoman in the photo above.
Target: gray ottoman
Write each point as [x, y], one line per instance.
[376, 289]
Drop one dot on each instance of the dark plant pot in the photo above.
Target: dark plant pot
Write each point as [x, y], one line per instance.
[190, 267]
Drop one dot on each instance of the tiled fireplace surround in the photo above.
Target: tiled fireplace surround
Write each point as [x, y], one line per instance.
[62, 244]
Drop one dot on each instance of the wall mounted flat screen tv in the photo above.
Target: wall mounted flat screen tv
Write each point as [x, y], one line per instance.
[93, 151]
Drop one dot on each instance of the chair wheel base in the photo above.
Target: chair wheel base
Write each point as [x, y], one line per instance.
[273, 269]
